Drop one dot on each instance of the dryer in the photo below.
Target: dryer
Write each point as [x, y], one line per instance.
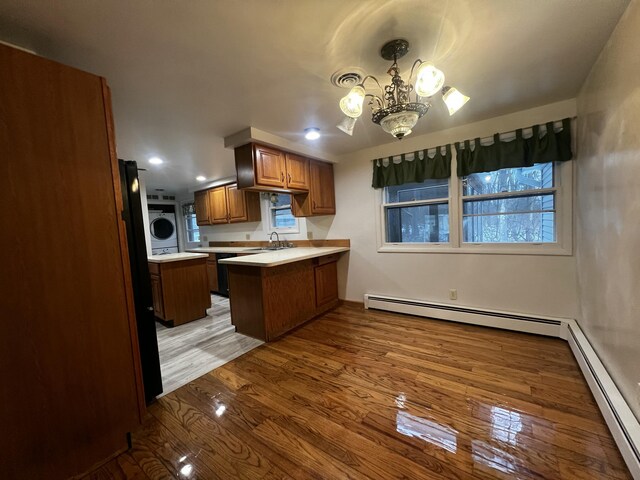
[164, 232]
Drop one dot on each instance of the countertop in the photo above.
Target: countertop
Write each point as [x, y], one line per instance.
[223, 249]
[280, 257]
[175, 257]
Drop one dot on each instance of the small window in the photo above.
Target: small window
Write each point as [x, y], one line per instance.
[281, 218]
[512, 205]
[417, 212]
[191, 224]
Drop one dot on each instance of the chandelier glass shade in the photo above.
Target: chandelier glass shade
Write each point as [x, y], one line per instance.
[400, 104]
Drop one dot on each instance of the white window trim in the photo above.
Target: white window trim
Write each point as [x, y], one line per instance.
[564, 223]
[273, 228]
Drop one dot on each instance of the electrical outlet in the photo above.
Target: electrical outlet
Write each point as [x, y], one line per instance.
[204, 238]
[453, 294]
[247, 236]
[309, 235]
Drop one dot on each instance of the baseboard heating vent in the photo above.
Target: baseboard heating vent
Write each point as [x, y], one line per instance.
[554, 327]
[622, 423]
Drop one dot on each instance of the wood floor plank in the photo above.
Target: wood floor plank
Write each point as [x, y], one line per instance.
[366, 394]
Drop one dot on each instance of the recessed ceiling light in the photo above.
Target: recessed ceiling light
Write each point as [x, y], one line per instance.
[312, 133]
[155, 160]
[200, 178]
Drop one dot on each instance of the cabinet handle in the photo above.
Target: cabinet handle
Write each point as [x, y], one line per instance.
[282, 176]
[314, 204]
[289, 177]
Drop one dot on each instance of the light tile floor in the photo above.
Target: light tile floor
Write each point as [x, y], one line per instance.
[189, 351]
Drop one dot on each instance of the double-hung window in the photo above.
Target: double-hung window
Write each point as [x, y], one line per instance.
[191, 224]
[512, 205]
[281, 218]
[417, 212]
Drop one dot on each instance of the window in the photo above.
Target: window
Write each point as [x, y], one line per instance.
[280, 217]
[512, 205]
[191, 224]
[417, 212]
[514, 210]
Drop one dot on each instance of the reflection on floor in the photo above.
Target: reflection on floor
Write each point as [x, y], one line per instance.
[195, 348]
[366, 394]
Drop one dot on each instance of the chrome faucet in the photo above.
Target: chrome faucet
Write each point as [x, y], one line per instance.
[278, 244]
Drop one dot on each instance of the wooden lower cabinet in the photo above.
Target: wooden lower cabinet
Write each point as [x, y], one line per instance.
[180, 290]
[212, 272]
[267, 302]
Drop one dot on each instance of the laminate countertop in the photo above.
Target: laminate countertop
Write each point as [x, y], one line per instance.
[224, 249]
[280, 257]
[175, 257]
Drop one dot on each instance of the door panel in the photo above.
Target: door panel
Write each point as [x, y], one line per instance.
[218, 212]
[236, 203]
[322, 193]
[202, 208]
[297, 172]
[269, 167]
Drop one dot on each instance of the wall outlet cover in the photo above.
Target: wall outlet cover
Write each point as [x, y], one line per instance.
[309, 235]
[453, 294]
[204, 238]
[247, 236]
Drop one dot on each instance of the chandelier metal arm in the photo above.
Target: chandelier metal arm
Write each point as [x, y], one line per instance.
[375, 80]
[417, 63]
[376, 97]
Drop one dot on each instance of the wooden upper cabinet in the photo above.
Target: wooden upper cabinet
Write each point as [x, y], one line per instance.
[218, 212]
[321, 199]
[268, 169]
[202, 208]
[297, 169]
[227, 204]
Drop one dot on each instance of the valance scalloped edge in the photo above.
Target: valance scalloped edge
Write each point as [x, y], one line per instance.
[415, 170]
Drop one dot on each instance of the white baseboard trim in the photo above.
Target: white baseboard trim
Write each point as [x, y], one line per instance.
[622, 423]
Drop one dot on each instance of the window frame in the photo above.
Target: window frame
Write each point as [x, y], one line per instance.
[271, 208]
[187, 229]
[563, 188]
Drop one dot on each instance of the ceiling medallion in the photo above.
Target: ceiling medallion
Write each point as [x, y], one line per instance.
[400, 105]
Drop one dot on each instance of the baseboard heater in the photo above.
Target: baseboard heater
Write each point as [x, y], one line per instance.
[622, 423]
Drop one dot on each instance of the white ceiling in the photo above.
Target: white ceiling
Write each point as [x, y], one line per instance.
[185, 74]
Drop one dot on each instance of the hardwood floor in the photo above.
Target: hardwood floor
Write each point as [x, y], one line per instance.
[365, 394]
[190, 350]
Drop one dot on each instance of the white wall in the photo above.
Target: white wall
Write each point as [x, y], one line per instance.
[608, 205]
[532, 284]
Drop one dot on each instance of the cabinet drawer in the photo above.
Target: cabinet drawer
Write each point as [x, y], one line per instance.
[327, 259]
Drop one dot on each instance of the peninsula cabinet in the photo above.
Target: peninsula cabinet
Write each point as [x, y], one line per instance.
[267, 302]
[70, 364]
[321, 199]
[268, 169]
[226, 204]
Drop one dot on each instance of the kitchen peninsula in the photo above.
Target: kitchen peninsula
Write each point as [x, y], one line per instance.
[275, 291]
[179, 286]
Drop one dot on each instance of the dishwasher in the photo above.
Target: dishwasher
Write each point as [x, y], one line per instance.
[223, 274]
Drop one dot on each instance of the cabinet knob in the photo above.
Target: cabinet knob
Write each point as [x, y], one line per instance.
[289, 177]
[282, 176]
[314, 204]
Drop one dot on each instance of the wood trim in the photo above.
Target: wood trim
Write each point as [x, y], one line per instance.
[124, 250]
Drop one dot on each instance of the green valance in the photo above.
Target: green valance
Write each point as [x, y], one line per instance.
[418, 169]
[522, 152]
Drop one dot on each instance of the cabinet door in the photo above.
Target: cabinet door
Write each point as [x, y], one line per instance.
[297, 168]
[321, 193]
[156, 290]
[202, 208]
[269, 167]
[237, 206]
[326, 284]
[218, 212]
[212, 274]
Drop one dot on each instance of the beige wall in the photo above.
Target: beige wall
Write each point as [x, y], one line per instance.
[608, 205]
[532, 284]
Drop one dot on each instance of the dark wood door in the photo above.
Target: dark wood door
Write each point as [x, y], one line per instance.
[69, 361]
[326, 277]
[218, 212]
[297, 172]
[269, 167]
[236, 204]
[322, 191]
[202, 208]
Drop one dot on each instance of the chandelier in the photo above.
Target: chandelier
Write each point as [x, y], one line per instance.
[401, 104]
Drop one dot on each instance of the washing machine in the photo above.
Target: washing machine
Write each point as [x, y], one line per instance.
[164, 233]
